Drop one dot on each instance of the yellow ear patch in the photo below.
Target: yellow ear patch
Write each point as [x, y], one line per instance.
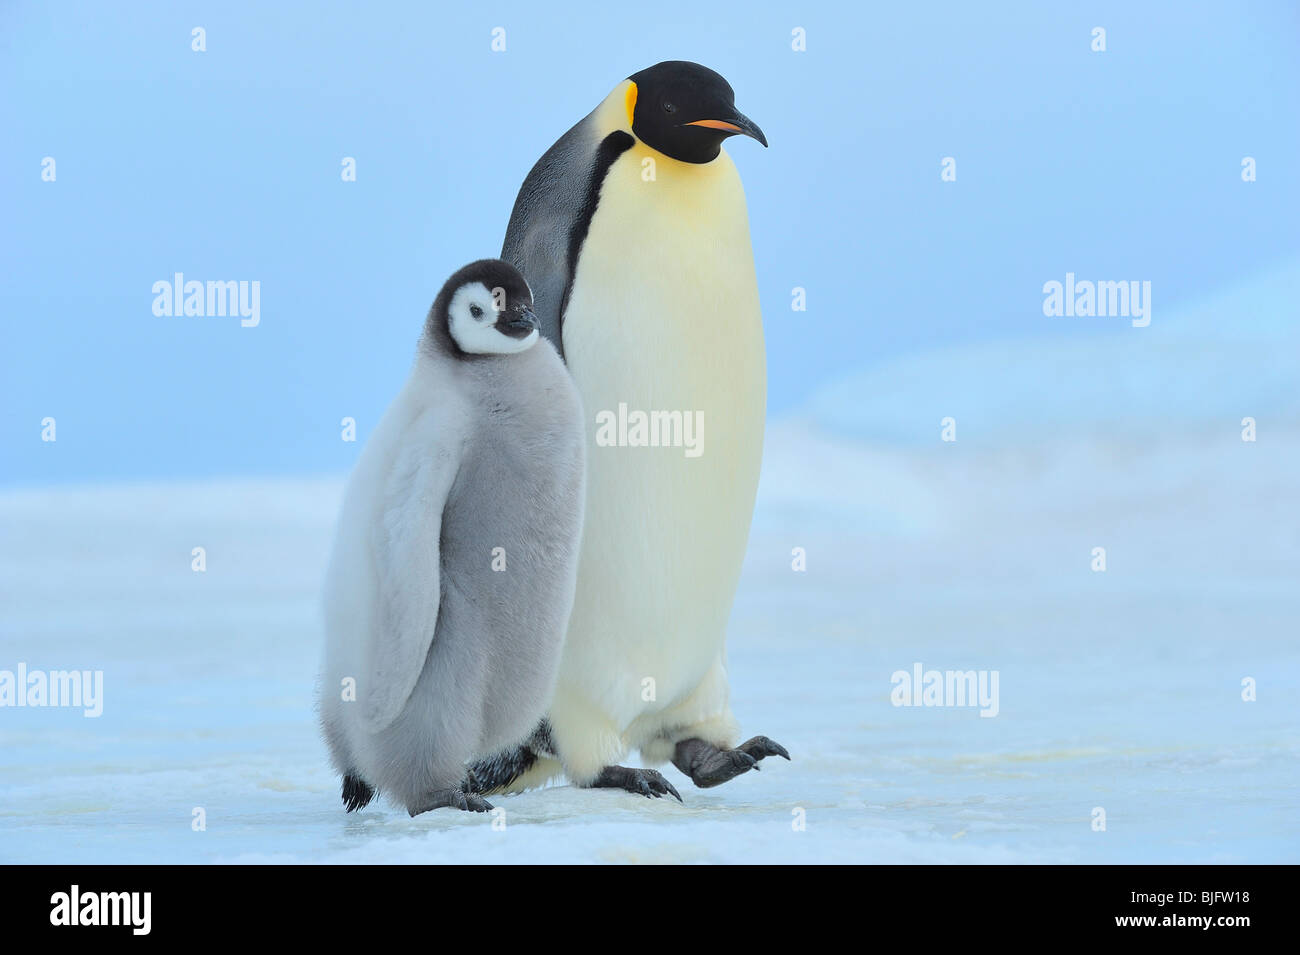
[631, 101]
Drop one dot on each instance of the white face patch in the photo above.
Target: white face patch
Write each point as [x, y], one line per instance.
[473, 313]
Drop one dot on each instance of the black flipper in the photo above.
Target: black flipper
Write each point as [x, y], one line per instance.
[552, 213]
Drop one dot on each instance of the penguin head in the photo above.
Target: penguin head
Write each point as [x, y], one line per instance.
[685, 111]
[486, 308]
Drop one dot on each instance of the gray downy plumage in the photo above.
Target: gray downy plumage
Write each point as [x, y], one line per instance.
[452, 574]
[548, 223]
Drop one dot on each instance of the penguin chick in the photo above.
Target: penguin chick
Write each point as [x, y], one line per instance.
[455, 559]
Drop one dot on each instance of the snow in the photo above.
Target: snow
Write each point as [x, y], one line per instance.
[1120, 690]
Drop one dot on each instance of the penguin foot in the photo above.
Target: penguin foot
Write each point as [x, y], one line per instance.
[709, 766]
[645, 782]
[761, 746]
[357, 793]
[453, 799]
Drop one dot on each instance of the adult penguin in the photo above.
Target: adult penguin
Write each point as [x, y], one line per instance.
[633, 234]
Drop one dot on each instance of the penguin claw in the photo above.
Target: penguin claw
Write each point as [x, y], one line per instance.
[453, 799]
[643, 782]
[476, 803]
[708, 766]
[761, 746]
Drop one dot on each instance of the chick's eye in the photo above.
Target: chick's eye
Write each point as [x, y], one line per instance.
[476, 311]
[669, 107]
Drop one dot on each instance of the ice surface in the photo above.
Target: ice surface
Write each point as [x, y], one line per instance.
[1119, 690]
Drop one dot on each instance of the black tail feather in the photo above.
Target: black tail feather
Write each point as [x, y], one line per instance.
[357, 793]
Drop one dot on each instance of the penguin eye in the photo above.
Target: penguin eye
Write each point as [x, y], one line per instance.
[476, 311]
[669, 107]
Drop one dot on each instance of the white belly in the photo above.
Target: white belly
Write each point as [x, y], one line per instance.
[664, 316]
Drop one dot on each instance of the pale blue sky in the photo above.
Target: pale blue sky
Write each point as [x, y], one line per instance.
[225, 165]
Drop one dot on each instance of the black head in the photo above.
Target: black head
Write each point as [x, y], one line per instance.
[486, 308]
[685, 111]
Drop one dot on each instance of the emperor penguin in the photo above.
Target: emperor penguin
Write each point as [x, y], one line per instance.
[633, 233]
[454, 564]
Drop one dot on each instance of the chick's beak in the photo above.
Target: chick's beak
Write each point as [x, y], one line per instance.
[525, 320]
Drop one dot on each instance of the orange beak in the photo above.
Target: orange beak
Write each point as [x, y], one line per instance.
[739, 123]
[716, 124]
